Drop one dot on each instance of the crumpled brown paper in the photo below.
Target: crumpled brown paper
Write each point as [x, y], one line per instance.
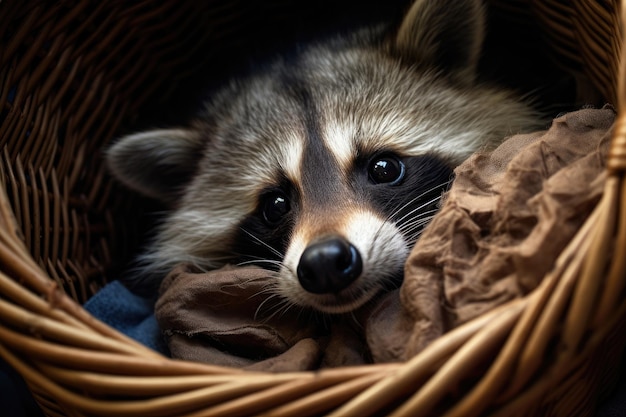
[508, 215]
[506, 218]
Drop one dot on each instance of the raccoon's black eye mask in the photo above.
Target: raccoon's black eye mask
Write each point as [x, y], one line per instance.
[385, 168]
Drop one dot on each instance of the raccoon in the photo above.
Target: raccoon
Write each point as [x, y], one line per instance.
[325, 165]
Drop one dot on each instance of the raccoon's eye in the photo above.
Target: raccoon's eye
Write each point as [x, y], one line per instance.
[274, 205]
[386, 169]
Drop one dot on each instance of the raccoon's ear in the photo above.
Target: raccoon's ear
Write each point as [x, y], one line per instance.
[444, 34]
[157, 163]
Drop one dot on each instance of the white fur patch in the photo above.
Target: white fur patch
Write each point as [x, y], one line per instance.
[291, 157]
[339, 139]
[402, 134]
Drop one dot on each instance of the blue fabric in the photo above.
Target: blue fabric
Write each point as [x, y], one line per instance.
[128, 313]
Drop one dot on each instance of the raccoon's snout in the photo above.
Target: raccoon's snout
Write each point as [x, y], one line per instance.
[329, 266]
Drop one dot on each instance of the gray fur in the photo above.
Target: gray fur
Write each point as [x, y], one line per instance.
[398, 90]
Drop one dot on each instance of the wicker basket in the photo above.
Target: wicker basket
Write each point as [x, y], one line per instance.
[74, 74]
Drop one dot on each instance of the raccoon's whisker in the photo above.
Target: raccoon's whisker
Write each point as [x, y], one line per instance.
[421, 214]
[267, 290]
[277, 307]
[418, 223]
[412, 235]
[413, 238]
[354, 318]
[252, 259]
[412, 211]
[444, 186]
[260, 261]
[264, 291]
[413, 229]
[415, 235]
[278, 302]
[423, 218]
[396, 211]
[281, 308]
[288, 306]
[314, 316]
[272, 249]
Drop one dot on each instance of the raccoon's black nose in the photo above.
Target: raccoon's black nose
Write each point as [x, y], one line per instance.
[329, 265]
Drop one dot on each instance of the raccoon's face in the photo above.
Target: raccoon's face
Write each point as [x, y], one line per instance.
[345, 231]
[324, 168]
[338, 231]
